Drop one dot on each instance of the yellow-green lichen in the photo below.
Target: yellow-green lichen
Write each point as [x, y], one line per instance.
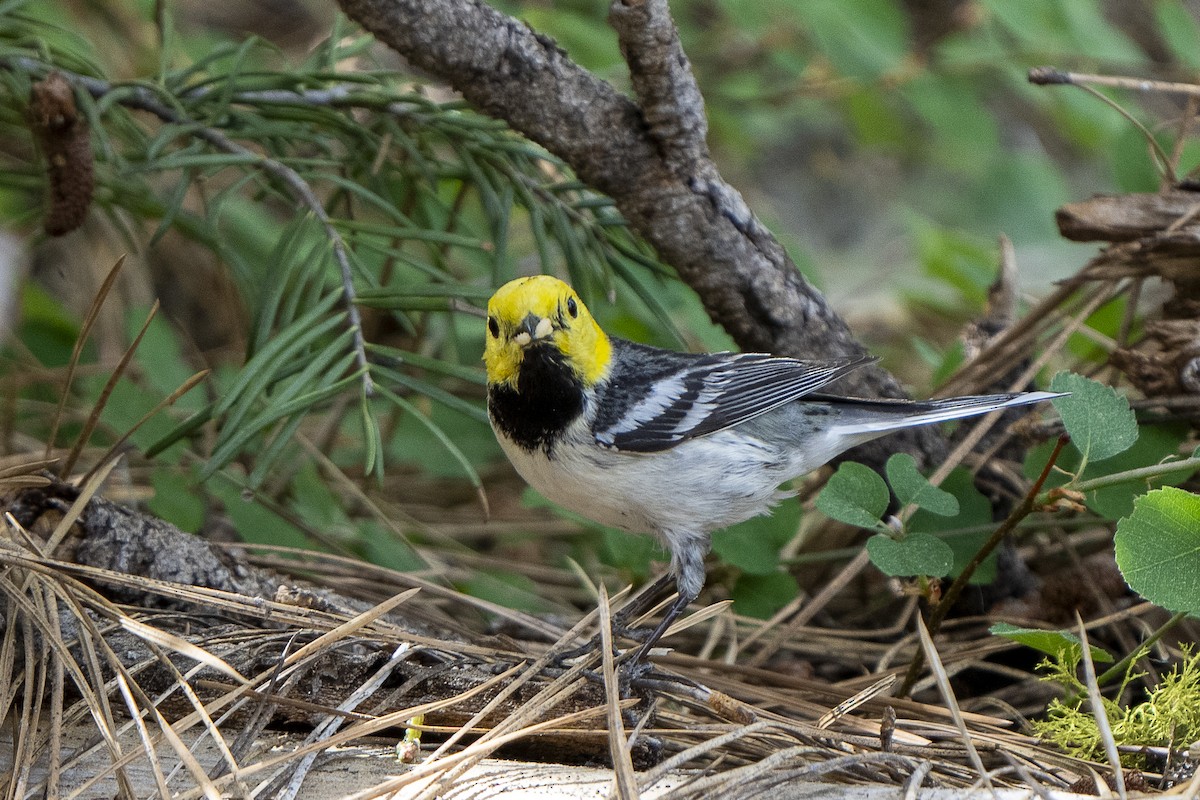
[1169, 717]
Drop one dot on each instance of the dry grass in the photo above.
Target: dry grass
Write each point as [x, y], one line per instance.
[219, 667]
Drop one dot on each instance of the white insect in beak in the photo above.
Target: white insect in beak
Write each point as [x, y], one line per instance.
[533, 329]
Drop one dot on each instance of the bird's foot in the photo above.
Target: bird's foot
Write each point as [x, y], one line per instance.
[621, 629]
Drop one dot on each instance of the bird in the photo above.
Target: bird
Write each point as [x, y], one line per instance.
[672, 444]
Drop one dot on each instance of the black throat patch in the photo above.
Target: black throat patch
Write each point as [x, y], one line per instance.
[548, 398]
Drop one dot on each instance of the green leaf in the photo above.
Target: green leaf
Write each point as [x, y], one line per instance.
[394, 377]
[176, 499]
[855, 495]
[1063, 26]
[912, 487]
[753, 546]
[631, 552]
[127, 405]
[509, 589]
[1133, 166]
[862, 38]
[162, 359]
[1062, 645]
[760, 596]
[915, 554]
[1158, 548]
[963, 262]
[238, 439]
[382, 546]
[448, 444]
[1179, 30]
[975, 511]
[46, 328]
[253, 521]
[1099, 421]
[1156, 444]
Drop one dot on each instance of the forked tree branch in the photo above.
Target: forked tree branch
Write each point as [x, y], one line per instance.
[651, 159]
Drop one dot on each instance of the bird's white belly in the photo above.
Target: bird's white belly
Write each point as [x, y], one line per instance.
[696, 487]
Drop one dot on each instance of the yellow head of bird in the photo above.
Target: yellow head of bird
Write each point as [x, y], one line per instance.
[541, 310]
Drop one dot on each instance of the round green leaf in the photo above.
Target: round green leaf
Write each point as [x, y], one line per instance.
[911, 486]
[753, 546]
[1098, 420]
[760, 596]
[855, 495]
[916, 554]
[974, 511]
[1158, 548]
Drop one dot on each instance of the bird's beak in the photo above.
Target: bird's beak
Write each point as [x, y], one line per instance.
[532, 329]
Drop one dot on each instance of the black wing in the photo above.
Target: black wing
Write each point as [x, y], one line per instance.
[658, 399]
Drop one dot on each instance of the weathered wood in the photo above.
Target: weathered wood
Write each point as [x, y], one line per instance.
[1128, 217]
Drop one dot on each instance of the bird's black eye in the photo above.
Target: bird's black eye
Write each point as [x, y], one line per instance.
[572, 307]
[494, 327]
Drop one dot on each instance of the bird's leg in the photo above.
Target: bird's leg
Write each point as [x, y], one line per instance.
[640, 603]
[686, 572]
[687, 569]
[622, 621]
[673, 611]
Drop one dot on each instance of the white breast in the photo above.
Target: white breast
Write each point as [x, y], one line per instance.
[696, 487]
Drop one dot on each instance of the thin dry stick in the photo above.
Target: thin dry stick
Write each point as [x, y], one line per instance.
[1182, 136]
[851, 703]
[1015, 340]
[624, 781]
[77, 597]
[167, 401]
[85, 681]
[547, 698]
[913, 785]
[30, 694]
[1097, 703]
[951, 596]
[943, 682]
[661, 770]
[426, 770]
[73, 363]
[228, 760]
[138, 716]
[94, 418]
[1051, 76]
[393, 719]
[806, 614]
[969, 441]
[136, 698]
[298, 770]
[55, 743]
[90, 487]
[160, 638]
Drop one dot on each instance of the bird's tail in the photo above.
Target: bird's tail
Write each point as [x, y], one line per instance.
[871, 418]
